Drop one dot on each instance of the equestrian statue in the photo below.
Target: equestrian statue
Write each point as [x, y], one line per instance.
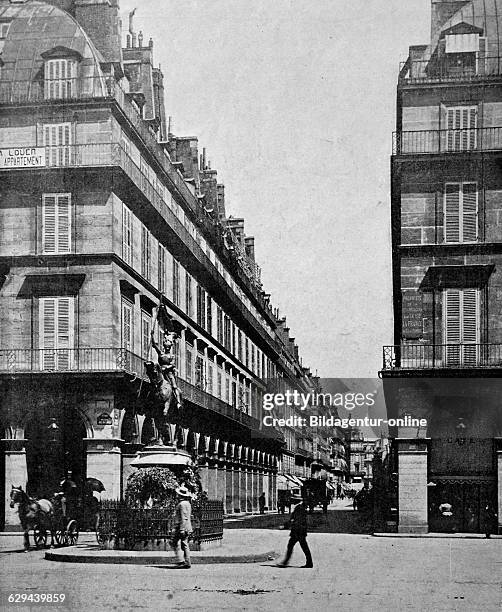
[162, 375]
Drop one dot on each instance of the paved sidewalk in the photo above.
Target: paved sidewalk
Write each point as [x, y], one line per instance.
[242, 546]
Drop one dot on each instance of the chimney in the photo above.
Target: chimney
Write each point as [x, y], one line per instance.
[101, 21]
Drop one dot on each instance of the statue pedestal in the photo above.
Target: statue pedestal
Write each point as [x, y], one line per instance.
[161, 456]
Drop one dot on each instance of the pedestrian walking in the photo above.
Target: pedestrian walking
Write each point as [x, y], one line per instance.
[182, 528]
[298, 524]
[261, 503]
[490, 520]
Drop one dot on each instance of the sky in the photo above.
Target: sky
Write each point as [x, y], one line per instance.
[294, 101]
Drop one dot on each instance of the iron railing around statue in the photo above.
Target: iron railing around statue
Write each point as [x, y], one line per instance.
[121, 526]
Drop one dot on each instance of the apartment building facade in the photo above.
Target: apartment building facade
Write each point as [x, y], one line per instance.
[104, 214]
[445, 364]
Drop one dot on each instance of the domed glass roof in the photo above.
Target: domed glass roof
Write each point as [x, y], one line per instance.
[36, 29]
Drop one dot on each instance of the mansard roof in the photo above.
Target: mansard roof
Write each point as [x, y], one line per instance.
[36, 30]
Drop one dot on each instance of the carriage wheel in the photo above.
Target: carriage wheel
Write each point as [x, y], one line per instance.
[72, 533]
[39, 536]
[59, 536]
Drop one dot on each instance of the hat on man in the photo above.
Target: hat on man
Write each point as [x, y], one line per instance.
[183, 492]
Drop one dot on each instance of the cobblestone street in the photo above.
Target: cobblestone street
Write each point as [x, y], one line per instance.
[351, 573]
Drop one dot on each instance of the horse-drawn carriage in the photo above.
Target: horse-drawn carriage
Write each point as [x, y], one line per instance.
[44, 517]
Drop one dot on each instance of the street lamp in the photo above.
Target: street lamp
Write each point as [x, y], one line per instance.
[54, 431]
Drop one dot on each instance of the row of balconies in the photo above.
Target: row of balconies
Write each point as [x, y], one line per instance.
[15, 362]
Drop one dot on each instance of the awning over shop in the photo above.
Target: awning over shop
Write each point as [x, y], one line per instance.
[289, 481]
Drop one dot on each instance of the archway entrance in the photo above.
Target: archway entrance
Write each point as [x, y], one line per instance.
[55, 444]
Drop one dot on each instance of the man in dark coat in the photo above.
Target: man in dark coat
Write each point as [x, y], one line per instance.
[298, 524]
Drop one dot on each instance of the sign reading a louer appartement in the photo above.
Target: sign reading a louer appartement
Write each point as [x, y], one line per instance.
[22, 157]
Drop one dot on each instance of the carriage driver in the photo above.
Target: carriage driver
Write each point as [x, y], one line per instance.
[68, 490]
[166, 360]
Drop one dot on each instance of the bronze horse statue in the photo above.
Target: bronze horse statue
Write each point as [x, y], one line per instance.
[162, 394]
[32, 513]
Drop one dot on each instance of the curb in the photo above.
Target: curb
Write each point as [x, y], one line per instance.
[74, 555]
[457, 536]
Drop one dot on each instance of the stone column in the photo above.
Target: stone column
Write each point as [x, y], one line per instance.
[16, 473]
[222, 485]
[254, 489]
[412, 485]
[273, 488]
[266, 488]
[104, 462]
[236, 490]
[244, 489]
[499, 480]
[260, 486]
[212, 481]
[204, 478]
[229, 493]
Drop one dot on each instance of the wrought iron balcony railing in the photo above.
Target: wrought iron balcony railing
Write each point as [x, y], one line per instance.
[431, 356]
[13, 361]
[473, 68]
[447, 141]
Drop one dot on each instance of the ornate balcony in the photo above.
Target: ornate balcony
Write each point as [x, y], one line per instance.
[441, 356]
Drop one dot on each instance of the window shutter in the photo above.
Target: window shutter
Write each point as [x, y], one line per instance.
[56, 223]
[145, 334]
[126, 234]
[470, 326]
[65, 332]
[452, 212]
[470, 123]
[469, 212]
[470, 312]
[63, 223]
[461, 325]
[49, 223]
[126, 326]
[47, 335]
[56, 332]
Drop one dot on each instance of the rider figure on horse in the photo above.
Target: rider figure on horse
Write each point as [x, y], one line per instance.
[166, 359]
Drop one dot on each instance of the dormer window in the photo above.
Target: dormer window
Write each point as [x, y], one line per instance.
[60, 73]
[463, 50]
[4, 30]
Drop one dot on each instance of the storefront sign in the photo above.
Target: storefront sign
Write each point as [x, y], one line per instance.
[23, 157]
[412, 315]
[104, 419]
